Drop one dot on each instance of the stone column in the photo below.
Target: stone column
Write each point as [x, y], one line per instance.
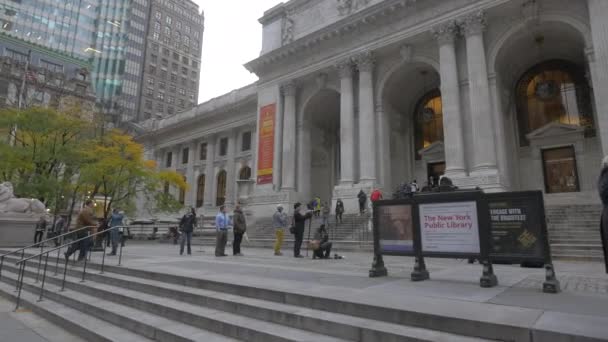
[190, 177]
[367, 124]
[210, 172]
[231, 196]
[598, 10]
[484, 156]
[384, 148]
[450, 98]
[347, 122]
[304, 159]
[289, 136]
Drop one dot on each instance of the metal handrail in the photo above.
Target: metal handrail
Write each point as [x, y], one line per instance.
[23, 261]
[41, 244]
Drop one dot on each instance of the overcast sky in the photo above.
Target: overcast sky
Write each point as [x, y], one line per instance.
[233, 37]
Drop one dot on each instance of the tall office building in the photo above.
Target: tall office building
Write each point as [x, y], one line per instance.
[172, 59]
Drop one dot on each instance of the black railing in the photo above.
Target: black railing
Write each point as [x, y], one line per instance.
[41, 244]
[22, 263]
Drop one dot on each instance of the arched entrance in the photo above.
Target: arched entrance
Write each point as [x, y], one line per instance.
[322, 116]
[412, 100]
[545, 104]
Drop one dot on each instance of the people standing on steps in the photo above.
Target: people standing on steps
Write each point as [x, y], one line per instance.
[603, 191]
[86, 218]
[376, 195]
[222, 224]
[186, 225]
[116, 220]
[362, 201]
[300, 217]
[414, 186]
[339, 211]
[279, 223]
[240, 228]
[40, 228]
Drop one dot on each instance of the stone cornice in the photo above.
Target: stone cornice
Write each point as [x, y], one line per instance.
[348, 24]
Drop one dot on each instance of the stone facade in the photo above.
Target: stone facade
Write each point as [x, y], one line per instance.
[496, 94]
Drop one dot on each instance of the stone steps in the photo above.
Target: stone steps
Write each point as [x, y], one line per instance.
[156, 306]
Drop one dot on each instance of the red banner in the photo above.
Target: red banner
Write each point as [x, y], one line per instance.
[266, 144]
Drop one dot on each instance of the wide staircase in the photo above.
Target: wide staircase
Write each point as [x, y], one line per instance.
[574, 232]
[123, 304]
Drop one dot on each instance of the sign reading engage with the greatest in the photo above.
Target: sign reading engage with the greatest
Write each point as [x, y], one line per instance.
[449, 228]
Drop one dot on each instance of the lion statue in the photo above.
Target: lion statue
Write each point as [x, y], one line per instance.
[10, 204]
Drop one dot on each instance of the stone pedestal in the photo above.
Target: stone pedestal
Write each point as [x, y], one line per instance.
[17, 230]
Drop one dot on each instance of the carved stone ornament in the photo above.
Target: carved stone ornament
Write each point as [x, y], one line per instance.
[474, 23]
[365, 61]
[445, 32]
[345, 68]
[346, 7]
[289, 89]
[287, 29]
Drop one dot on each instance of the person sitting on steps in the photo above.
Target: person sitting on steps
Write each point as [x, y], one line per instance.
[321, 245]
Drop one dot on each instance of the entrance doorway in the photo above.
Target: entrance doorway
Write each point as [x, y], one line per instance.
[559, 166]
[434, 172]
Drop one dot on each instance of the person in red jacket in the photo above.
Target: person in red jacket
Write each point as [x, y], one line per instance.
[376, 195]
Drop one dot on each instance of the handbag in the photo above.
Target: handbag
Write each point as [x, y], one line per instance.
[314, 245]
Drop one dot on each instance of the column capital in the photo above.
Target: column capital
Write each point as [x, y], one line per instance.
[345, 68]
[365, 61]
[445, 32]
[289, 88]
[474, 23]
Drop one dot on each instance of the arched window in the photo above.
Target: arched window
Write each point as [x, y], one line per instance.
[200, 191]
[182, 193]
[428, 120]
[245, 173]
[220, 198]
[553, 91]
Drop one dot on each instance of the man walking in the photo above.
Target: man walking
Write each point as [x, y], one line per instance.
[222, 222]
[115, 220]
[300, 225]
[279, 223]
[240, 227]
[86, 218]
[362, 200]
[40, 228]
[186, 225]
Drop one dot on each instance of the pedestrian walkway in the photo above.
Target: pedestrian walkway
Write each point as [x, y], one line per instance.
[25, 326]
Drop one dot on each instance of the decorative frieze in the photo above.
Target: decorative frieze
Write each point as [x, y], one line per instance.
[345, 68]
[365, 61]
[289, 89]
[346, 7]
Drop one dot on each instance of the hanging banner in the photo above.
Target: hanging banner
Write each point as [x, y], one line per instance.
[266, 144]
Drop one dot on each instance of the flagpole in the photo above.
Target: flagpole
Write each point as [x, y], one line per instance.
[21, 93]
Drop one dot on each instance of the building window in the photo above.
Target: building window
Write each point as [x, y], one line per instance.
[182, 193]
[428, 120]
[156, 36]
[156, 26]
[245, 173]
[148, 104]
[178, 25]
[153, 59]
[185, 60]
[160, 107]
[173, 77]
[161, 85]
[223, 147]
[203, 151]
[163, 74]
[161, 96]
[165, 63]
[151, 82]
[167, 32]
[169, 20]
[559, 166]
[194, 74]
[169, 159]
[166, 52]
[170, 110]
[193, 84]
[195, 64]
[246, 142]
[553, 91]
[185, 155]
[176, 56]
[158, 15]
[152, 69]
[200, 191]
[182, 91]
[150, 92]
[184, 70]
[174, 67]
[184, 81]
[170, 100]
[155, 47]
[220, 197]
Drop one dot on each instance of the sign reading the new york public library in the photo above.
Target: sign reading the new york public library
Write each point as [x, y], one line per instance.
[517, 226]
[266, 144]
[451, 227]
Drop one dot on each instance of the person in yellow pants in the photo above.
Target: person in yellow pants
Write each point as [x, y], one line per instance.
[279, 223]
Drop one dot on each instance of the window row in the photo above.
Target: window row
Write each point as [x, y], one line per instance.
[223, 149]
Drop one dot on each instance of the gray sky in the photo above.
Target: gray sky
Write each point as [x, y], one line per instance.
[233, 37]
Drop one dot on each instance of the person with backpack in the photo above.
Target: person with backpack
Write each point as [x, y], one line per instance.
[186, 225]
[339, 210]
[376, 195]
